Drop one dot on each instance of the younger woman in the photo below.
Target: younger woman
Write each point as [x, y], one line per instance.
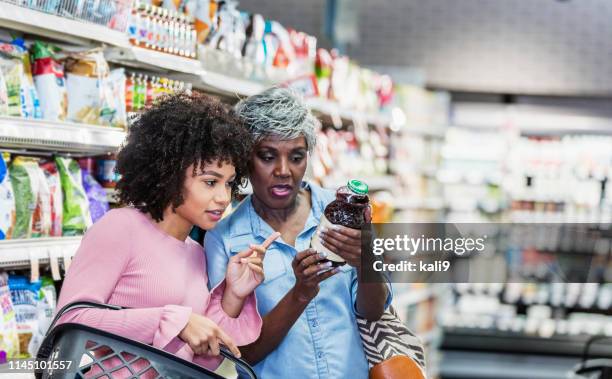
[183, 159]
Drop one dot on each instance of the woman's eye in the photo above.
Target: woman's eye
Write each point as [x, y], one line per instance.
[297, 158]
[210, 183]
[266, 158]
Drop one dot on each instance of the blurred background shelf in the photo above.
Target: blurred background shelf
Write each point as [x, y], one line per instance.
[59, 136]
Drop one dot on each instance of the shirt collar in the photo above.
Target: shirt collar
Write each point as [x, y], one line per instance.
[249, 222]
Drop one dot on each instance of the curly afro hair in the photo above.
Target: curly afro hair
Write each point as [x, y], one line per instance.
[177, 132]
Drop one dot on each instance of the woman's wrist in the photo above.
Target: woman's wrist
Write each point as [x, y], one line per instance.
[231, 302]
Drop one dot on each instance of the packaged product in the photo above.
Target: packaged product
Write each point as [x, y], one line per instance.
[45, 305]
[98, 201]
[11, 66]
[9, 341]
[24, 296]
[205, 19]
[22, 96]
[4, 110]
[43, 217]
[50, 83]
[55, 189]
[31, 102]
[90, 98]
[32, 199]
[26, 193]
[105, 172]
[76, 217]
[7, 201]
[117, 83]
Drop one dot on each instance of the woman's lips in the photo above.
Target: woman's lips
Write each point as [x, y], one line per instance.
[215, 215]
[281, 190]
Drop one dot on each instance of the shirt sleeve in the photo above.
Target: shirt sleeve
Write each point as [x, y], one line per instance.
[97, 267]
[217, 257]
[245, 328]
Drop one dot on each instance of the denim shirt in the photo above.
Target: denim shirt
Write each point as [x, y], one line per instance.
[324, 342]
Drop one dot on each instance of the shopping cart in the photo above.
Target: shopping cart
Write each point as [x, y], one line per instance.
[88, 349]
[592, 368]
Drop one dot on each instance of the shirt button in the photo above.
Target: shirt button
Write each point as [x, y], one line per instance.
[315, 324]
[320, 354]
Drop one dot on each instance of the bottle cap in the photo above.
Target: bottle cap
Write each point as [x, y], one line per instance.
[358, 186]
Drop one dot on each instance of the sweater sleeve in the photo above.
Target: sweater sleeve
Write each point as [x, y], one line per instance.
[97, 267]
[245, 328]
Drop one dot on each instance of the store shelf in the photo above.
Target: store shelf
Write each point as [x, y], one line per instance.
[227, 85]
[414, 296]
[486, 365]
[19, 252]
[59, 28]
[58, 136]
[430, 204]
[519, 343]
[153, 60]
[334, 110]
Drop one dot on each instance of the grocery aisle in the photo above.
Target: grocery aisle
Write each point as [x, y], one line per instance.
[72, 76]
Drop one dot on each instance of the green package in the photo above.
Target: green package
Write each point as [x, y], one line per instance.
[76, 205]
[25, 198]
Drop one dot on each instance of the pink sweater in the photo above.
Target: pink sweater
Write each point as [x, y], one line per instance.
[125, 260]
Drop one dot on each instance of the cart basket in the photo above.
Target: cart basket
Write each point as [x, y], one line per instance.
[86, 347]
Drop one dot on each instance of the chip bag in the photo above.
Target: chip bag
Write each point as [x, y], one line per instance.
[76, 217]
[7, 202]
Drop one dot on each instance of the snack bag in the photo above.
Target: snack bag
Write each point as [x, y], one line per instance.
[24, 296]
[98, 202]
[9, 341]
[26, 194]
[42, 218]
[76, 206]
[7, 202]
[31, 105]
[3, 96]
[56, 197]
[49, 80]
[12, 69]
[89, 95]
[15, 65]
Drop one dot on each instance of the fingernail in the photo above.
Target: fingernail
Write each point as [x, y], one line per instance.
[323, 230]
[322, 254]
[244, 260]
[326, 264]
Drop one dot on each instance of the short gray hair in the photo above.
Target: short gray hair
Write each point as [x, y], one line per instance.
[279, 112]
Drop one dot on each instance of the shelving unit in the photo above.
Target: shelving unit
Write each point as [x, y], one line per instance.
[58, 136]
[19, 253]
[63, 29]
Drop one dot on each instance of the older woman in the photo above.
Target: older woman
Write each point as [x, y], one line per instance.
[309, 325]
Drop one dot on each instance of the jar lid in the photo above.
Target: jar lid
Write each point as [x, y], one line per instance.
[358, 186]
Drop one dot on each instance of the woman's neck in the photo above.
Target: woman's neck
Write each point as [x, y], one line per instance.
[276, 216]
[174, 225]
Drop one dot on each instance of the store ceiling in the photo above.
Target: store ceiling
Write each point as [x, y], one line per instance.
[509, 46]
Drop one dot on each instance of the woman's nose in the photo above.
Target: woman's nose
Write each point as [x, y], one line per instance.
[282, 168]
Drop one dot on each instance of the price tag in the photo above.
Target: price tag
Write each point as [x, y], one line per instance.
[36, 254]
[68, 252]
[54, 254]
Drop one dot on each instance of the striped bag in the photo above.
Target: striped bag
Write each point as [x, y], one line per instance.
[391, 349]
